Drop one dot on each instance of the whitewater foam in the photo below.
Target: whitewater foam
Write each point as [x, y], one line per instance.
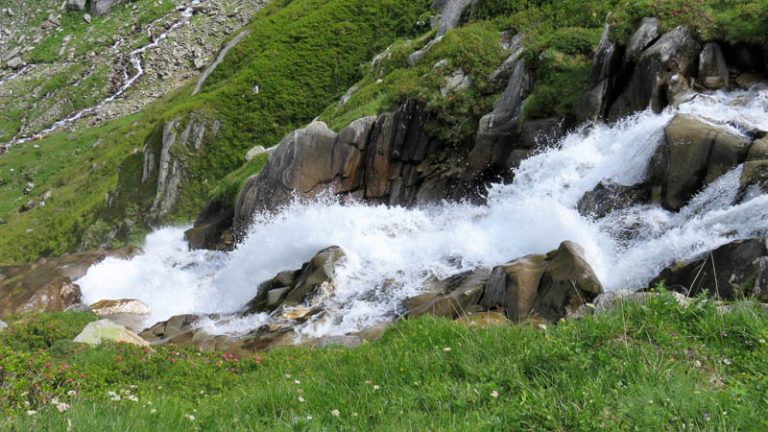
[392, 251]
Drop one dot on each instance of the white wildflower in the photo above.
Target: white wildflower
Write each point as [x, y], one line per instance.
[31, 412]
[190, 417]
[335, 413]
[132, 398]
[376, 387]
[494, 394]
[447, 349]
[301, 399]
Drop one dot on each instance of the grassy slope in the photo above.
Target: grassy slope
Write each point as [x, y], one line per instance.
[653, 367]
[303, 54]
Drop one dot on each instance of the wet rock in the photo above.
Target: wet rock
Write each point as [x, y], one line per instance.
[212, 226]
[736, 269]
[713, 72]
[299, 294]
[747, 80]
[608, 197]
[759, 150]
[543, 286]
[693, 154]
[106, 331]
[673, 56]
[452, 297]
[754, 180]
[129, 313]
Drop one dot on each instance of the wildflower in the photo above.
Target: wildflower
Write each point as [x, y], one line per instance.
[354, 414]
[132, 398]
[727, 362]
[447, 349]
[335, 413]
[190, 417]
[697, 364]
[494, 394]
[309, 417]
[376, 387]
[288, 376]
[762, 341]
[114, 396]
[296, 382]
[61, 406]
[542, 327]
[301, 399]
[153, 411]
[72, 393]
[368, 382]
[31, 412]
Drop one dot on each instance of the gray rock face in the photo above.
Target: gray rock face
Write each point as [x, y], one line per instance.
[606, 198]
[14, 63]
[605, 66]
[646, 34]
[713, 72]
[501, 75]
[78, 5]
[728, 272]
[376, 159]
[669, 61]
[105, 330]
[101, 7]
[694, 153]
[501, 127]
[543, 286]
[449, 12]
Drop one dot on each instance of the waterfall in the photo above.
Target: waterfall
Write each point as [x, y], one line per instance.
[392, 251]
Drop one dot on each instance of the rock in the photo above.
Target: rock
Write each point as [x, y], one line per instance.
[348, 95]
[47, 285]
[105, 330]
[452, 297]
[612, 299]
[754, 180]
[713, 72]
[543, 286]
[297, 295]
[129, 313]
[87, 18]
[101, 7]
[255, 151]
[212, 227]
[746, 80]
[499, 130]
[449, 17]
[608, 197]
[458, 81]
[78, 307]
[729, 272]
[673, 54]
[78, 5]
[693, 154]
[14, 63]
[602, 79]
[759, 150]
[3, 326]
[645, 35]
[501, 75]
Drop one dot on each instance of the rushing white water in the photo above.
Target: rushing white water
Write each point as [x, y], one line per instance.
[391, 251]
[134, 58]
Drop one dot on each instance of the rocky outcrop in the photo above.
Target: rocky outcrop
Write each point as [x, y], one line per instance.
[646, 34]
[97, 332]
[101, 7]
[212, 227]
[449, 15]
[543, 286]
[602, 80]
[386, 159]
[693, 154]
[729, 272]
[662, 71]
[77, 5]
[48, 284]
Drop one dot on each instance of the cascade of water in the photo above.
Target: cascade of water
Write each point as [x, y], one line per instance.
[392, 251]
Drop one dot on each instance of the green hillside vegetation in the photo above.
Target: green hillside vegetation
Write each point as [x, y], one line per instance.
[658, 366]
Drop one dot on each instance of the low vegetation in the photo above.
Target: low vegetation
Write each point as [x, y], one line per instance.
[658, 366]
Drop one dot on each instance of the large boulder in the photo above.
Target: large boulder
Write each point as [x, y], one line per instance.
[543, 286]
[660, 72]
[646, 34]
[713, 71]
[101, 7]
[693, 154]
[78, 5]
[106, 331]
[731, 271]
[753, 180]
[211, 228]
[452, 297]
[608, 197]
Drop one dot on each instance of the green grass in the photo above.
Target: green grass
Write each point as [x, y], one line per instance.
[658, 366]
